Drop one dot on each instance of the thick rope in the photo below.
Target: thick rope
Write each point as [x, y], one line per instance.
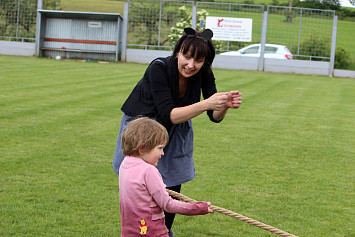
[235, 215]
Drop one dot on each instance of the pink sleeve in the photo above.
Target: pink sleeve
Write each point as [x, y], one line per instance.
[157, 190]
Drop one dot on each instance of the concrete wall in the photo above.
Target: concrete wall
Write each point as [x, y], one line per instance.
[237, 63]
[222, 62]
[297, 66]
[344, 73]
[144, 56]
[17, 48]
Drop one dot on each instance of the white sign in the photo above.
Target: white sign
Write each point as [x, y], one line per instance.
[231, 29]
[95, 24]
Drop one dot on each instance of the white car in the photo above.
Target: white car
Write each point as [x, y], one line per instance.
[271, 51]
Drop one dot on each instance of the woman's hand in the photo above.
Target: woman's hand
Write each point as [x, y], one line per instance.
[224, 101]
[218, 101]
[234, 99]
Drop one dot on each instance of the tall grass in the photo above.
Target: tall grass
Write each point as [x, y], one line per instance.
[285, 158]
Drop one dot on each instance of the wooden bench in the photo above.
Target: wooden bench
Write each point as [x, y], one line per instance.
[78, 50]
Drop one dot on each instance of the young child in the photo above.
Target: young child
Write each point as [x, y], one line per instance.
[143, 197]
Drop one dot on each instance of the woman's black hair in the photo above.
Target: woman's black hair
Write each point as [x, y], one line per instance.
[198, 43]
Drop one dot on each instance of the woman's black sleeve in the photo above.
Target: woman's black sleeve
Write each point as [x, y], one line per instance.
[209, 88]
[162, 88]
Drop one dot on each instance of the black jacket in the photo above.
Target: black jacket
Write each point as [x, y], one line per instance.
[157, 93]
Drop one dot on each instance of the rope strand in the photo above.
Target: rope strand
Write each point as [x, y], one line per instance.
[235, 215]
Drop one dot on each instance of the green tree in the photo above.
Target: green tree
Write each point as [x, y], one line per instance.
[185, 20]
[51, 4]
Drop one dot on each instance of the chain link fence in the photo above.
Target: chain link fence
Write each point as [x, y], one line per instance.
[151, 22]
[157, 24]
[306, 32]
[250, 11]
[18, 18]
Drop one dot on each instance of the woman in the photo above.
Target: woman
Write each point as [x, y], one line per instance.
[170, 92]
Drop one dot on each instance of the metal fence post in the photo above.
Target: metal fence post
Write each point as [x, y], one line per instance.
[299, 33]
[160, 11]
[18, 17]
[194, 16]
[124, 31]
[263, 40]
[332, 51]
[118, 41]
[38, 27]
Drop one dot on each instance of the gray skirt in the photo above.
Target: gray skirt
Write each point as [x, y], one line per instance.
[177, 165]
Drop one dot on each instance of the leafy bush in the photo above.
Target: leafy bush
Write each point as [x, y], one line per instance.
[317, 48]
[19, 31]
[342, 58]
[185, 20]
[51, 4]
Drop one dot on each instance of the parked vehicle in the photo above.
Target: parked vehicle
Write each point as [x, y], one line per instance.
[271, 51]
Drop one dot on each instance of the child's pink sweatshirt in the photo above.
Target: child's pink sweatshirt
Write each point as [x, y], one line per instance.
[143, 198]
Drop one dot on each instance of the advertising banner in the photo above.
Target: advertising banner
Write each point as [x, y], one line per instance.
[230, 29]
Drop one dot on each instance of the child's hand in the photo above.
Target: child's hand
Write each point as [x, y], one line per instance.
[209, 209]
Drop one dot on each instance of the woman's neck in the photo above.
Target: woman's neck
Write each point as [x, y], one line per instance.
[183, 82]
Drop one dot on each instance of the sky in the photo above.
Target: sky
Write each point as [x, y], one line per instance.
[346, 3]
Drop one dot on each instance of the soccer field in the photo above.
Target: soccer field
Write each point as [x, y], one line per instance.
[285, 158]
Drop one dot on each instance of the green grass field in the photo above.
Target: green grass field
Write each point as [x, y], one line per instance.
[109, 6]
[285, 158]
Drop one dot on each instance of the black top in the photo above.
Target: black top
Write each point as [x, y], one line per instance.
[157, 93]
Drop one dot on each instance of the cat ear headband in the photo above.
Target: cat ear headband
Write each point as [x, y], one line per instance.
[206, 35]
